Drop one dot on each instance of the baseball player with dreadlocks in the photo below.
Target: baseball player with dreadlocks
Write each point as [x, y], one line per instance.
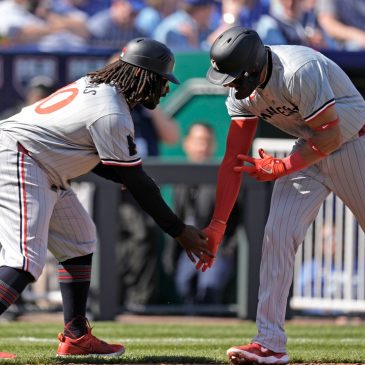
[305, 94]
[81, 127]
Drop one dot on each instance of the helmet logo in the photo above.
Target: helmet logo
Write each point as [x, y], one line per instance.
[214, 64]
[123, 51]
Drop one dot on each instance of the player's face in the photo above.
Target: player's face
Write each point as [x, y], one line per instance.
[242, 86]
[165, 87]
[151, 103]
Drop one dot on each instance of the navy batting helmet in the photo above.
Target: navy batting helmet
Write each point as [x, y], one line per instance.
[237, 51]
[150, 55]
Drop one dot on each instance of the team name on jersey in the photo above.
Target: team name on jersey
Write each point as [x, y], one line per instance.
[283, 110]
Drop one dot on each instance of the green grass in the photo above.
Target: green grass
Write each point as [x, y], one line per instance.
[36, 343]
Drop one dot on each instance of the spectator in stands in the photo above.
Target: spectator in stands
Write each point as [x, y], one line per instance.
[237, 12]
[19, 25]
[116, 25]
[36, 25]
[90, 7]
[283, 25]
[251, 10]
[323, 276]
[38, 88]
[312, 270]
[68, 24]
[309, 18]
[187, 28]
[242, 12]
[195, 203]
[154, 127]
[344, 21]
[153, 13]
[140, 237]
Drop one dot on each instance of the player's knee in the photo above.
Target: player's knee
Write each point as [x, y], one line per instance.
[280, 231]
[88, 234]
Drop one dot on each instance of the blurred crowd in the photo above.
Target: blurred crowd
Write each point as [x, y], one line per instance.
[183, 25]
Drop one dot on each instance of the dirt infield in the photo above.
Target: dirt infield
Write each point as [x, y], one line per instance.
[57, 317]
[131, 318]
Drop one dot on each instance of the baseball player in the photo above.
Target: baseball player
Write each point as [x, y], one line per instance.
[83, 126]
[305, 94]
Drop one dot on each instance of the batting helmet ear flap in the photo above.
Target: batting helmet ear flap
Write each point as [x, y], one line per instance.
[150, 55]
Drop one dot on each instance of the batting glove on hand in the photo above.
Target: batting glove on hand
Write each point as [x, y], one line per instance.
[214, 232]
[267, 168]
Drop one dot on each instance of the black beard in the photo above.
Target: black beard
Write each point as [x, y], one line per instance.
[244, 91]
[150, 103]
[246, 87]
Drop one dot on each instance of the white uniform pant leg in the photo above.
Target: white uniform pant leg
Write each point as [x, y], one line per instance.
[295, 202]
[72, 232]
[346, 171]
[26, 205]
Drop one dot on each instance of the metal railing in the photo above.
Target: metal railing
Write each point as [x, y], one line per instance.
[329, 272]
[103, 303]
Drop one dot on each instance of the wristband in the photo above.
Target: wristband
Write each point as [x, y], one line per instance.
[218, 225]
[294, 162]
[327, 125]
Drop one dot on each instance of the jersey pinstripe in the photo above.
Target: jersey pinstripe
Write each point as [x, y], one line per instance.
[74, 129]
[300, 85]
[304, 83]
[34, 216]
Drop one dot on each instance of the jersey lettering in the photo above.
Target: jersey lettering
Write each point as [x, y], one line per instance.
[70, 94]
[283, 110]
[90, 89]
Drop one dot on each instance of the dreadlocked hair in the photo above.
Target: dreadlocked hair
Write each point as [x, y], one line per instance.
[136, 84]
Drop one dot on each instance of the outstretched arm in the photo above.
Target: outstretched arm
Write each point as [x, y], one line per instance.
[239, 140]
[148, 196]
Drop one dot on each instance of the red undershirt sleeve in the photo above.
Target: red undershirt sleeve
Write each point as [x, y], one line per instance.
[239, 140]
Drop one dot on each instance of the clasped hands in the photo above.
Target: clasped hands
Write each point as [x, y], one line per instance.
[214, 232]
[266, 168]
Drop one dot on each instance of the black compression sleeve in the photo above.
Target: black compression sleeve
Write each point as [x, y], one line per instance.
[148, 196]
[107, 172]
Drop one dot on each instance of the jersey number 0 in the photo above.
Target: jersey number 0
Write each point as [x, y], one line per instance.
[64, 97]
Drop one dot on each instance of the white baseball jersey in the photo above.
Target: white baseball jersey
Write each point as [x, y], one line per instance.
[69, 132]
[302, 83]
[41, 148]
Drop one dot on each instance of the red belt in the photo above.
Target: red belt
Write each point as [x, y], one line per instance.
[362, 131]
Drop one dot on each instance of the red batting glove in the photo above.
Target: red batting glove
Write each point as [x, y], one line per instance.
[214, 232]
[267, 168]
